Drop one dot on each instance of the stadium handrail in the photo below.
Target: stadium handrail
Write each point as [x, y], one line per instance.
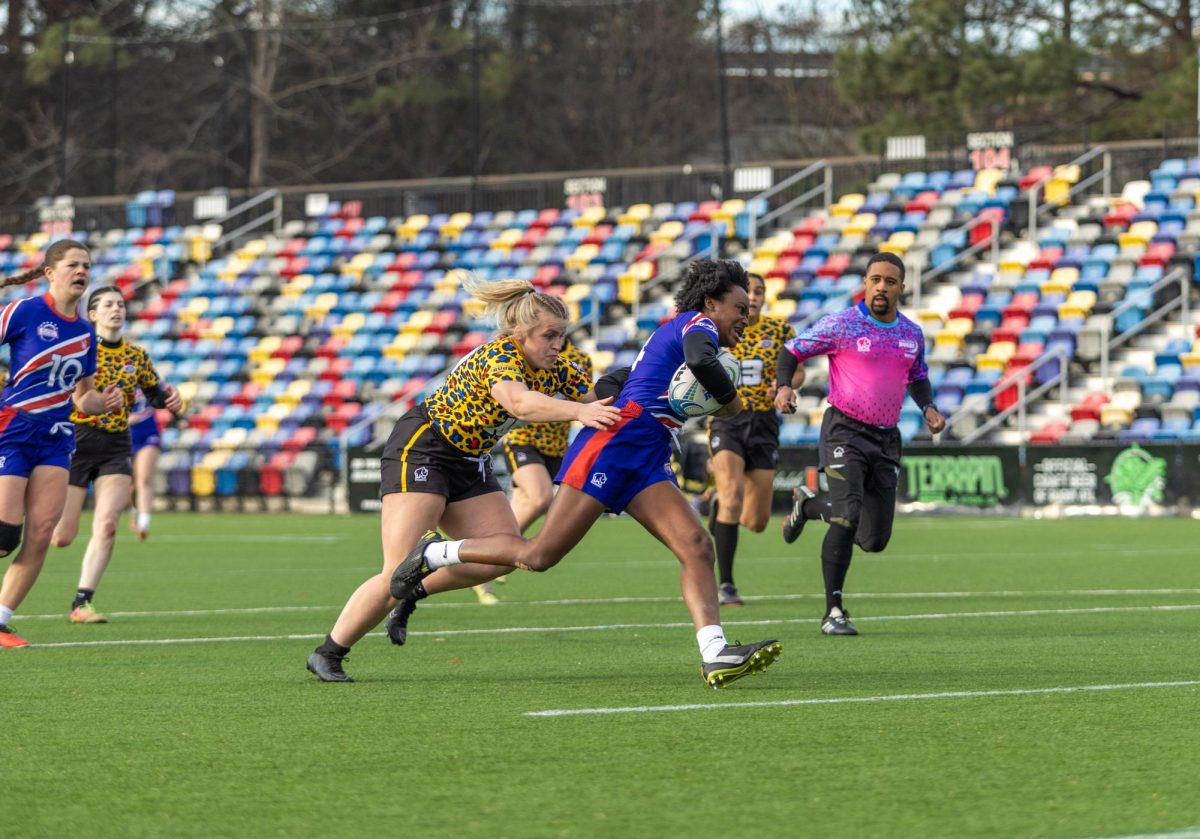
[1105, 173]
[760, 200]
[992, 241]
[274, 215]
[1024, 395]
[1109, 343]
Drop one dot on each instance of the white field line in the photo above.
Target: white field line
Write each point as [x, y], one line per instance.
[243, 537]
[847, 700]
[508, 630]
[1182, 833]
[606, 601]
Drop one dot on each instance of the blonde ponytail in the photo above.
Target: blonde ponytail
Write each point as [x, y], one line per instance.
[516, 304]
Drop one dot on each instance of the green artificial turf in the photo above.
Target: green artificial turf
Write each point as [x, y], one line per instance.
[841, 737]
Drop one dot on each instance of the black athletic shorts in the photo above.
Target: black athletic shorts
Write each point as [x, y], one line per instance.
[518, 456]
[751, 435]
[418, 459]
[862, 467]
[100, 453]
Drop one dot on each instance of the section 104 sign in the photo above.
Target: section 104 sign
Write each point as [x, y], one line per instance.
[990, 149]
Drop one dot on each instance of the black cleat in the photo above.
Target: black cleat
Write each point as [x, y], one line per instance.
[396, 623]
[736, 661]
[414, 568]
[793, 525]
[327, 668]
[837, 622]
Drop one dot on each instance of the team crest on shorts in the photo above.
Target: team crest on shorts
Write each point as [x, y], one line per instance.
[48, 330]
[3, 458]
[716, 442]
[599, 479]
[839, 451]
[522, 457]
[420, 474]
[864, 344]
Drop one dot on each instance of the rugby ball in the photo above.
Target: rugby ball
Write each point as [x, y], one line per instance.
[688, 398]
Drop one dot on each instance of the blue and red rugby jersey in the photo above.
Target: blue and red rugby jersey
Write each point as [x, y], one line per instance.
[660, 357]
[49, 354]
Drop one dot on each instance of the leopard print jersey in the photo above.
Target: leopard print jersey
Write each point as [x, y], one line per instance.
[128, 366]
[463, 409]
[550, 438]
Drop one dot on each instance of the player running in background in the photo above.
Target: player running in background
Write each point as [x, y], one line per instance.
[875, 355]
[534, 453]
[52, 362]
[103, 446]
[745, 448]
[146, 435]
[436, 466]
[627, 467]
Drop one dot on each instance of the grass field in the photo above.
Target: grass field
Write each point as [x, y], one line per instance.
[1013, 678]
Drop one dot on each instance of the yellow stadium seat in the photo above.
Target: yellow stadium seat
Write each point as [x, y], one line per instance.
[635, 215]
[590, 217]
[959, 326]
[947, 339]
[204, 480]
[412, 226]
[1115, 416]
[775, 286]
[761, 266]
[988, 362]
[784, 308]
[582, 257]
[1190, 359]
[667, 233]
[1129, 239]
[987, 179]
[1144, 229]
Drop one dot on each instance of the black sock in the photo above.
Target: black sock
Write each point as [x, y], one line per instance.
[419, 593]
[835, 563]
[814, 509]
[725, 539]
[333, 648]
[82, 596]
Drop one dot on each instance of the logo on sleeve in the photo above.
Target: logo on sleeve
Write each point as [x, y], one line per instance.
[48, 331]
[909, 346]
[864, 344]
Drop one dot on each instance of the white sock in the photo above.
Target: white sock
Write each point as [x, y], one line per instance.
[711, 640]
[5, 615]
[143, 521]
[441, 554]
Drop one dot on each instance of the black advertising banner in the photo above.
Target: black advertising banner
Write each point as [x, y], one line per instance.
[1133, 477]
[362, 479]
[981, 477]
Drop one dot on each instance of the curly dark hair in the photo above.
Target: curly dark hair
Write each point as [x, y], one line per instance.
[709, 278]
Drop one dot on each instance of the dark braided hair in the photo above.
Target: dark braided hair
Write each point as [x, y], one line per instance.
[54, 255]
[709, 278]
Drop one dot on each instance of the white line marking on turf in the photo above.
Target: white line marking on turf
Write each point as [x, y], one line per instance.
[508, 630]
[1182, 833]
[607, 601]
[846, 700]
[241, 537]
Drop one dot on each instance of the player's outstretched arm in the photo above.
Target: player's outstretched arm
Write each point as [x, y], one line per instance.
[530, 406]
[88, 400]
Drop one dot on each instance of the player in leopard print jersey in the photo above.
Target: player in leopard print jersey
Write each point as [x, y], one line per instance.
[103, 447]
[436, 466]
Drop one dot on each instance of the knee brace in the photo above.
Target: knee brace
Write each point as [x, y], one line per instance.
[10, 536]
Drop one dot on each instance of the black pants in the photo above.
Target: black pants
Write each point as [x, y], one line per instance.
[862, 467]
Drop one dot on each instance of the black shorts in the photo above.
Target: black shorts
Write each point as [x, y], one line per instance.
[751, 435]
[100, 453]
[418, 459]
[862, 467]
[518, 456]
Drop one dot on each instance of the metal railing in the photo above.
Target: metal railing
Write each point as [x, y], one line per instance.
[1016, 378]
[1135, 300]
[274, 216]
[992, 242]
[825, 188]
[1105, 174]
